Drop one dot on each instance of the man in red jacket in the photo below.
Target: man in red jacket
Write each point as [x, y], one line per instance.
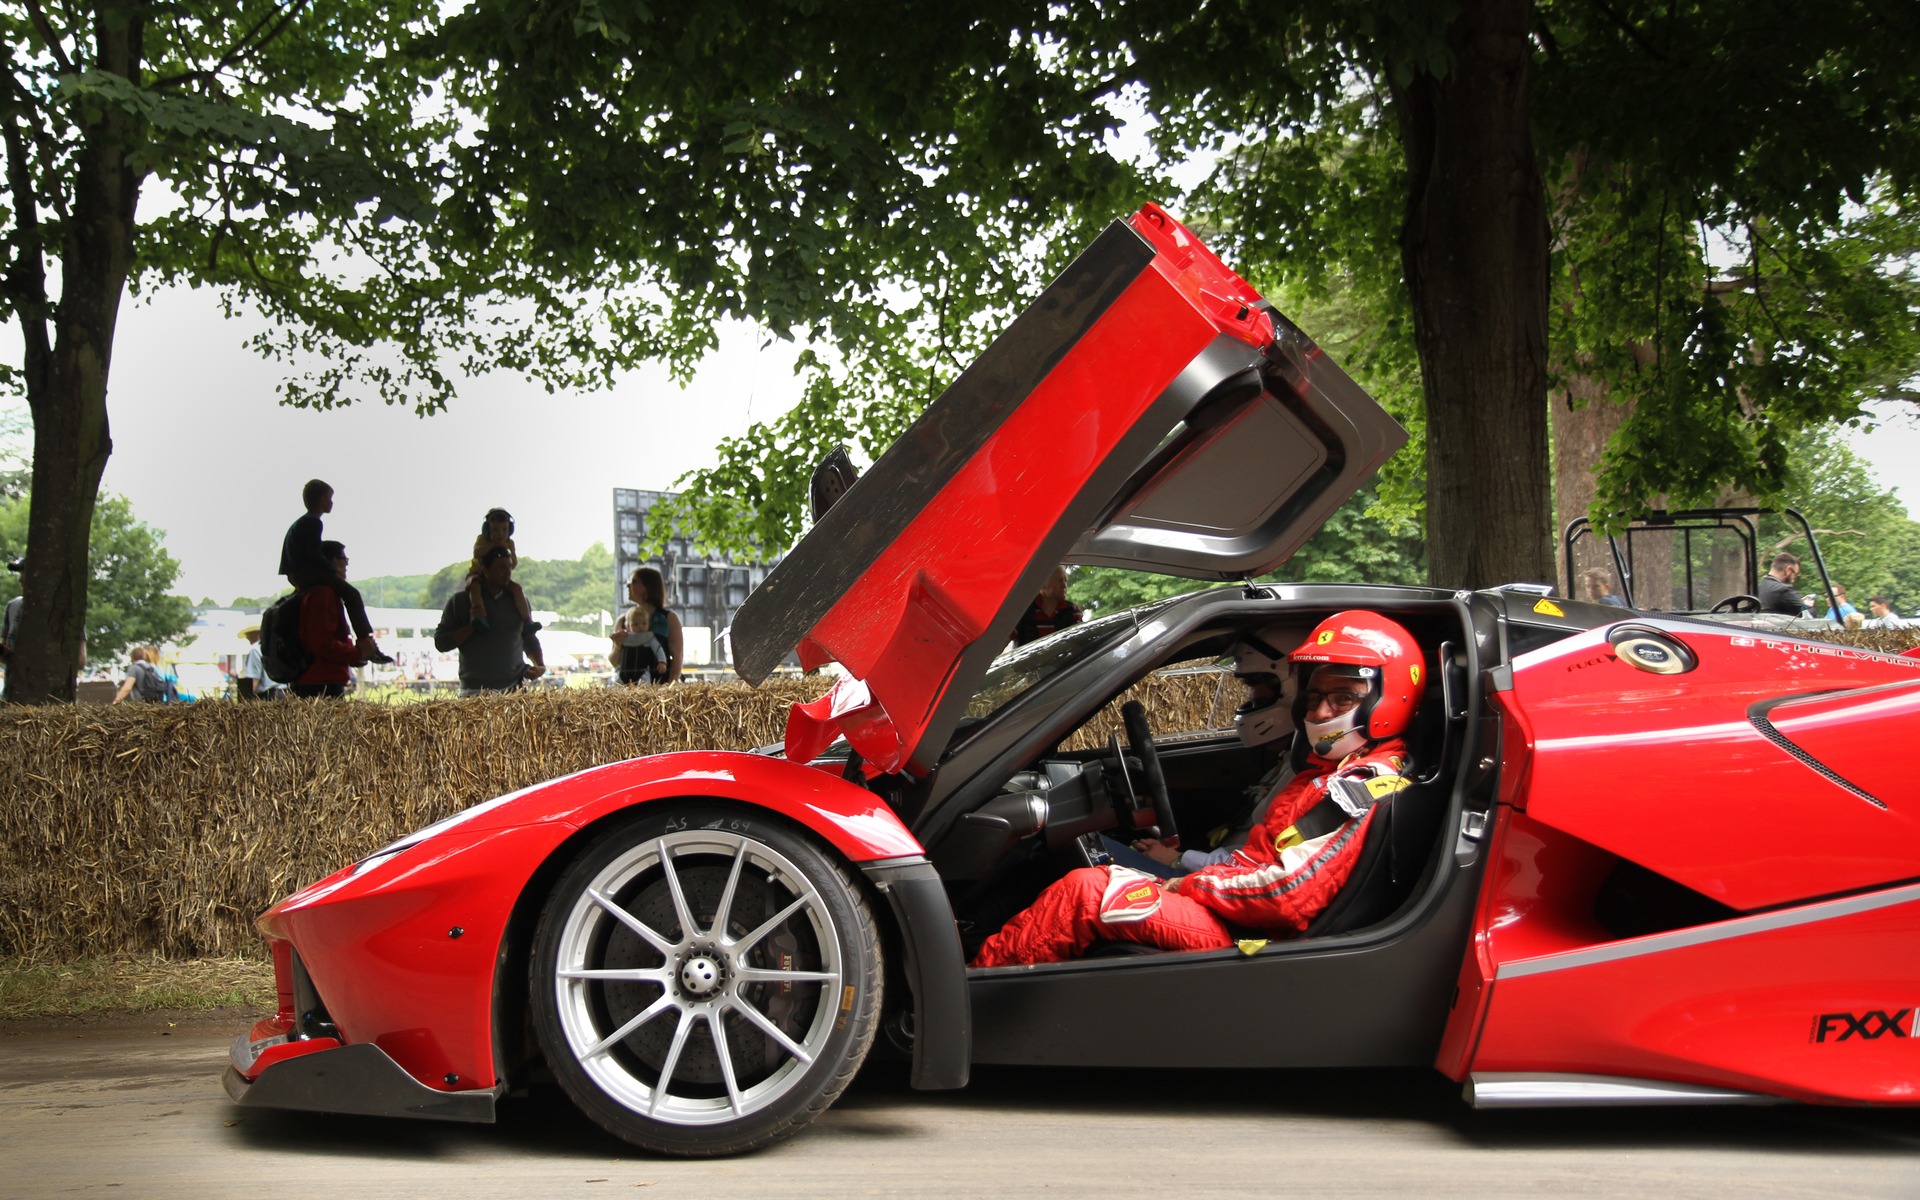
[326, 635]
[1366, 680]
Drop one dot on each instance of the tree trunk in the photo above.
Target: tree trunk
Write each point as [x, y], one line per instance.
[1580, 436]
[69, 397]
[1475, 251]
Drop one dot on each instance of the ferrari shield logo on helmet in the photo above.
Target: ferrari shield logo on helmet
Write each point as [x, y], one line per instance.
[1326, 635]
[1413, 672]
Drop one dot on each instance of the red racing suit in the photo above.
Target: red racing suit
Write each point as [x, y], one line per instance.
[1273, 885]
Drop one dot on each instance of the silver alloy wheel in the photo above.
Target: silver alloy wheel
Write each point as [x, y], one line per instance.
[713, 977]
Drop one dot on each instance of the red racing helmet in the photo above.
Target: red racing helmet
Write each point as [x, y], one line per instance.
[1357, 638]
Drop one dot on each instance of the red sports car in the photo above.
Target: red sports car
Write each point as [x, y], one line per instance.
[1641, 859]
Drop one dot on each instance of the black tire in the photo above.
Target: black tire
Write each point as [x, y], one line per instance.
[685, 1034]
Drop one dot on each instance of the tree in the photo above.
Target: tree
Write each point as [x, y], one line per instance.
[130, 577]
[312, 160]
[887, 189]
[576, 588]
[1868, 541]
[1451, 86]
[1397, 153]
[1729, 282]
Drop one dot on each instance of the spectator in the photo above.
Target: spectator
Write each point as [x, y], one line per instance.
[10, 623]
[1051, 611]
[1883, 615]
[1595, 584]
[1846, 610]
[10, 619]
[647, 639]
[254, 682]
[325, 633]
[498, 650]
[303, 561]
[1776, 586]
[144, 681]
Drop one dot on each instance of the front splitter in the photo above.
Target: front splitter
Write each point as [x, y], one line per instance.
[361, 1079]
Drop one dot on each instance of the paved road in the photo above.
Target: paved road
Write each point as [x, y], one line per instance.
[134, 1109]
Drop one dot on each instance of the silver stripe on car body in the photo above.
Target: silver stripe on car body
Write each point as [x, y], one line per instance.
[1505, 1089]
[1700, 935]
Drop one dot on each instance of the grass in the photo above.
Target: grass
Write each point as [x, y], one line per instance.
[99, 987]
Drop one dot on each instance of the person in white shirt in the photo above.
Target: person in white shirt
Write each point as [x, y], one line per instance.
[1883, 615]
[254, 683]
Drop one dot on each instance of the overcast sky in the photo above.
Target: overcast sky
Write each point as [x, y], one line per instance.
[205, 453]
[207, 456]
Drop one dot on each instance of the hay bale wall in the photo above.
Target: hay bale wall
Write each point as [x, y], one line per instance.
[146, 829]
[143, 829]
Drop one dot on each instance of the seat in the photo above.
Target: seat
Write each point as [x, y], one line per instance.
[1402, 840]
[1399, 845]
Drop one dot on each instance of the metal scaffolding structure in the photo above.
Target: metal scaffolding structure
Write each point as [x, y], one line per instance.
[705, 589]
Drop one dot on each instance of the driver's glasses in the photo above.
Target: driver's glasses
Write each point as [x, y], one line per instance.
[1339, 702]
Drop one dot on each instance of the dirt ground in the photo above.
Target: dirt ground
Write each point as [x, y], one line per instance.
[131, 1106]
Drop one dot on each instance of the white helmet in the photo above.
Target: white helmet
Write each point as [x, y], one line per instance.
[1260, 662]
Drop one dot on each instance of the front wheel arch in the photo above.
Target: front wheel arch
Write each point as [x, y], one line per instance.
[517, 1051]
[517, 1058]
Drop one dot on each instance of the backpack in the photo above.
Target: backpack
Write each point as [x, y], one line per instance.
[283, 656]
[148, 684]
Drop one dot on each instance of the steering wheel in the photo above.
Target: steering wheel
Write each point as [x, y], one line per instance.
[1140, 740]
[1742, 603]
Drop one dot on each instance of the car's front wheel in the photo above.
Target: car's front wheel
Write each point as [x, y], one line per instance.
[705, 980]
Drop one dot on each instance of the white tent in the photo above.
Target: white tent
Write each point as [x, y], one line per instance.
[571, 643]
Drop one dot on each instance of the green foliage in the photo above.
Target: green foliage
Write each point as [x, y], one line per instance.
[127, 601]
[580, 588]
[442, 584]
[16, 458]
[391, 591]
[1741, 276]
[845, 180]
[565, 188]
[1869, 543]
[1754, 285]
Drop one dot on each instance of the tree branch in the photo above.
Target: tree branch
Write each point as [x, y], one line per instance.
[1627, 27]
[46, 31]
[265, 30]
[25, 282]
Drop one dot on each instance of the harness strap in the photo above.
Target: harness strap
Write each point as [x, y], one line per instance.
[1346, 799]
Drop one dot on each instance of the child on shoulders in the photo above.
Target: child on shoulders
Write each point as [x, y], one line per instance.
[495, 530]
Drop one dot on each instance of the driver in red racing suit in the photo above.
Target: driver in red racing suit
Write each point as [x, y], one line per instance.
[1366, 682]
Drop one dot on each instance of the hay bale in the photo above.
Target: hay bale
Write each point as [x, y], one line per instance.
[1885, 641]
[142, 829]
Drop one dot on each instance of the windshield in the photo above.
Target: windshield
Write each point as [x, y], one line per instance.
[1017, 671]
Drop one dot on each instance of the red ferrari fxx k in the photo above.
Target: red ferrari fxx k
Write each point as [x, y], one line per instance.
[1630, 857]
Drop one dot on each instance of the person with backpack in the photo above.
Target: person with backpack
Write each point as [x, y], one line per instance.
[325, 634]
[144, 682]
[647, 641]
